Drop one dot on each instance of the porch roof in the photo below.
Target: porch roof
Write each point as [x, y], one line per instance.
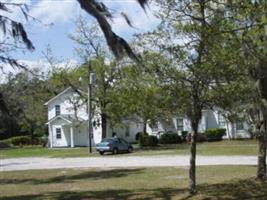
[68, 118]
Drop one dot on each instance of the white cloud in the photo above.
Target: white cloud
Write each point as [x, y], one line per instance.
[142, 21]
[63, 12]
[14, 12]
[49, 11]
[40, 68]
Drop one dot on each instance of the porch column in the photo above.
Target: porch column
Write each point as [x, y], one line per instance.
[71, 137]
[50, 135]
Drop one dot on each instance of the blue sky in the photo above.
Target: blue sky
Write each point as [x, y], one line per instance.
[62, 14]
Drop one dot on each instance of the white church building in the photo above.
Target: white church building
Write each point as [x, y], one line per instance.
[68, 123]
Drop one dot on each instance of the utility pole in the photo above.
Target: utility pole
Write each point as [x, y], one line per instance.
[89, 108]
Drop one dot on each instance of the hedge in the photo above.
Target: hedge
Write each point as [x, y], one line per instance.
[201, 137]
[184, 135]
[18, 140]
[170, 138]
[147, 140]
[215, 134]
[153, 141]
[4, 145]
[25, 140]
[137, 136]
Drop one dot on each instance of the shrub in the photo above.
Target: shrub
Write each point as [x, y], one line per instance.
[44, 140]
[18, 140]
[200, 137]
[137, 136]
[36, 141]
[215, 134]
[153, 141]
[143, 140]
[170, 138]
[184, 135]
[4, 145]
[146, 140]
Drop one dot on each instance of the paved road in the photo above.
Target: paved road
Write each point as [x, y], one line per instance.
[118, 162]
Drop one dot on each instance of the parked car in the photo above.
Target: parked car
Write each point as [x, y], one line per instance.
[114, 145]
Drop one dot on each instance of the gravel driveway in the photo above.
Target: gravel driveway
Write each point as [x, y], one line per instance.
[119, 162]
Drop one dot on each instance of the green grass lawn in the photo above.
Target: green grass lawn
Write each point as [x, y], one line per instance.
[214, 183]
[237, 147]
[246, 147]
[35, 151]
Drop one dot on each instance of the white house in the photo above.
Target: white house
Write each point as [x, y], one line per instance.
[68, 123]
[210, 119]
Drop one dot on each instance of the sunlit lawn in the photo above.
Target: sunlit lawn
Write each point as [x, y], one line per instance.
[247, 147]
[214, 183]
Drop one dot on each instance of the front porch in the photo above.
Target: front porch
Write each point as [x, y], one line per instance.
[66, 132]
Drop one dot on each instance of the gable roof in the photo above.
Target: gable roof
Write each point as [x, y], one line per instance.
[61, 93]
[68, 118]
[72, 118]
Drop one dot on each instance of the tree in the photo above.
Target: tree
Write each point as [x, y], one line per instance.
[251, 24]
[25, 95]
[192, 36]
[234, 95]
[141, 91]
[14, 37]
[194, 77]
[34, 113]
[244, 14]
[107, 76]
[92, 49]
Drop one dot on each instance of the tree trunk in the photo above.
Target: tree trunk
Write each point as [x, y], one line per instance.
[228, 130]
[144, 124]
[233, 130]
[262, 141]
[193, 150]
[104, 125]
[32, 136]
[261, 171]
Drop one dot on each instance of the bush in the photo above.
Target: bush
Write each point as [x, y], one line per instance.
[137, 136]
[26, 140]
[153, 141]
[143, 139]
[19, 140]
[40, 140]
[146, 140]
[4, 145]
[215, 134]
[200, 137]
[170, 138]
[44, 141]
[184, 135]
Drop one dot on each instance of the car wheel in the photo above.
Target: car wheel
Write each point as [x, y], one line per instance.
[130, 149]
[115, 151]
[101, 152]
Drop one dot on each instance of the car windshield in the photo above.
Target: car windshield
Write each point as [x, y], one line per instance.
[107, 140]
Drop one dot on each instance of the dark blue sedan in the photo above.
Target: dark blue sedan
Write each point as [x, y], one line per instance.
[114, 145]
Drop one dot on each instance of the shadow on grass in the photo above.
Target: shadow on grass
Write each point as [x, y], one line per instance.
[237, 189]
[248, 189]
[88, 175]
